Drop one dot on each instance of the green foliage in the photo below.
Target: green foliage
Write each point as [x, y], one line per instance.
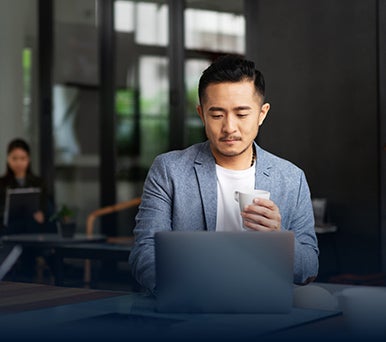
[124, 102]
[64, 214]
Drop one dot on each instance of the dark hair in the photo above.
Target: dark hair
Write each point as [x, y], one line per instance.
[230, 68]
[23, 145]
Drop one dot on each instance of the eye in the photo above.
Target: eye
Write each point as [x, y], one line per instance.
[216, 116]
[240, 115]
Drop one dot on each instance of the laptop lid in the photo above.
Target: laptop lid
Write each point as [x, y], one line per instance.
[224, 272]
[21, 203]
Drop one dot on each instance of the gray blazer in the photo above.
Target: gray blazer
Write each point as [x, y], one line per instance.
[180, 193]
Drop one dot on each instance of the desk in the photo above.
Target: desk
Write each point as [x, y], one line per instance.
[42, 312]
[95, 251]
[52, 242]
[104, 251]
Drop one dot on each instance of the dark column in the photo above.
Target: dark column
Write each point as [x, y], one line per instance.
[177, 129]
[382, 121]
[45, 66]
[251, 7]
[327, 90]
[107, 112]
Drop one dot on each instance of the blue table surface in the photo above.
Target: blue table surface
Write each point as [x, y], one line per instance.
[133, 315]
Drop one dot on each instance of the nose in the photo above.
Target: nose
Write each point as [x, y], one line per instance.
[229, 124]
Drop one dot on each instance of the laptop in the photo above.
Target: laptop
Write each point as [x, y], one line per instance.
[224, 272]
[8, 257]
[21, 203]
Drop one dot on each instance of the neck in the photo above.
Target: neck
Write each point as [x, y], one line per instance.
[20, 175]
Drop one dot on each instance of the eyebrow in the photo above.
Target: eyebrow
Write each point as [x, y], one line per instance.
[220, 109]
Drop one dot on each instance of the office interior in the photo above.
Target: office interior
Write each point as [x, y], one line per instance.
[99, 88]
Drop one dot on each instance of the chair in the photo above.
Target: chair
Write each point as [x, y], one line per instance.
[135, 202]
[326, 232]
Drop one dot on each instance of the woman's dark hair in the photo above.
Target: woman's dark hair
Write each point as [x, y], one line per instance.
[14, 144]
[230, 68]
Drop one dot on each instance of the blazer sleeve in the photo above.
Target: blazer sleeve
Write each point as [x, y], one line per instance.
[154, 215]
[306, 262]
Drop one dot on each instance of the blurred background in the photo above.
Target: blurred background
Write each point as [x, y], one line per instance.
[100, 87]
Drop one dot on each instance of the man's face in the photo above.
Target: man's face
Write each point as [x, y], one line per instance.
[232, 114]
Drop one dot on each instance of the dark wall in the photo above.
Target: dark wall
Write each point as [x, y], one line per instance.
[320, 64]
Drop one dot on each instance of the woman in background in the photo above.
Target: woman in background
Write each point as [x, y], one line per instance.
[19, 175]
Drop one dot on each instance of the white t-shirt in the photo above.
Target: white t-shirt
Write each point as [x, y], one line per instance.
[229, 181]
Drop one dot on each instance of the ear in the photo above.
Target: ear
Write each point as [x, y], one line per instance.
[200, 113]
[263, 112]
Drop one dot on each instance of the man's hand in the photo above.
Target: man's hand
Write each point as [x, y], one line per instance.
[262, 215]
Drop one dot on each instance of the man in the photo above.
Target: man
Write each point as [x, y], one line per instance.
[194, 189]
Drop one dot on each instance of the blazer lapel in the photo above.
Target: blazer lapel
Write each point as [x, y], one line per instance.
[205, 168]
[263, 170]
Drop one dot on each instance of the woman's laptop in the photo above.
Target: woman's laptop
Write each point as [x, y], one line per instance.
[224, 272]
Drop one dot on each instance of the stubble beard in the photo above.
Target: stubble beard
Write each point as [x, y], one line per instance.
[232, 154]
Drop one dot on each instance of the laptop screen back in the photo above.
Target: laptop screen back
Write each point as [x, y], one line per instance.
[224, 272]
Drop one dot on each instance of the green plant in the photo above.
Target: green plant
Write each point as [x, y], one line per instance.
[64, 215]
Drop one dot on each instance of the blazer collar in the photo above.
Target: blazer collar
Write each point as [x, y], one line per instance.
[205, 167]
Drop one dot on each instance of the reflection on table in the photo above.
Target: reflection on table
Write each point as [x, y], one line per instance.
[32, 311]
[49, 312]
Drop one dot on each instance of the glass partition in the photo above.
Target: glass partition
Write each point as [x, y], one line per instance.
[214, 31]
[76, 107]
[141, 91]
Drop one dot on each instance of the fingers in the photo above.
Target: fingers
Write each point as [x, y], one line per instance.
[262, 215]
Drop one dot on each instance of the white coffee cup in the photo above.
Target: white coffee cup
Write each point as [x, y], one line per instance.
[246, 198]
[364, 310]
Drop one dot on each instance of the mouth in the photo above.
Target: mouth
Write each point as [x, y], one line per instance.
[230, 140]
